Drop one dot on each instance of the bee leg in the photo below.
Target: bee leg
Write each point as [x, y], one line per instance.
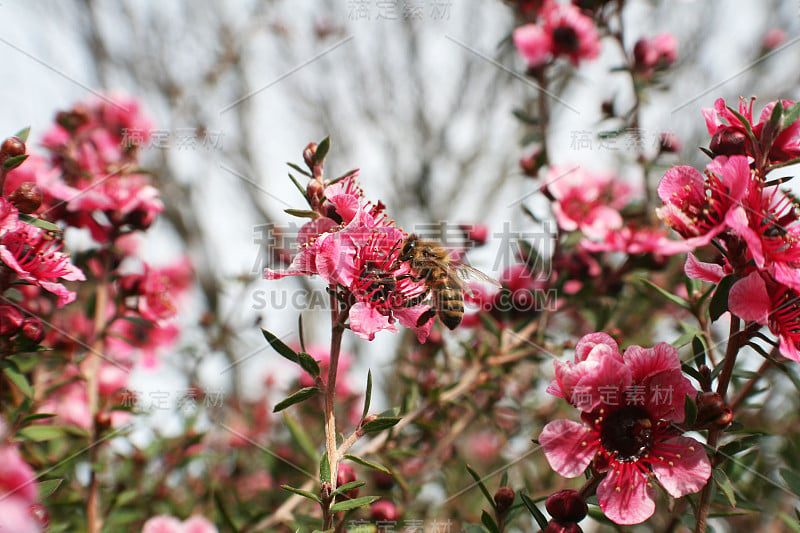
[409, 276]
[425, 317]
[416, 300]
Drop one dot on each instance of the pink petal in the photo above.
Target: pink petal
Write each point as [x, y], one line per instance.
[365, 321]
[588, 342]
[409, 316]
[682, 183]
[162, 524]
[789, 349]
[696, 269]
[609, 372]
[633, 503]
[568, 446]
[646, 362]
[749, 299]
[198, 524]
[687, 474]
[533, 44]
[737, 219]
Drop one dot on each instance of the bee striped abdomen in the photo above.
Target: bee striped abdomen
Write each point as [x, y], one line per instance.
[449, 302]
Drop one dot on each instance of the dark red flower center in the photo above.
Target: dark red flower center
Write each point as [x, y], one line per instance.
[627, 433]
[566, 39]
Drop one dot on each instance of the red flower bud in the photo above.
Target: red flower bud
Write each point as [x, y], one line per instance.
[383, 480]
[309, 153]
[11, 147]
[555, 526]
[504, 498]
[40, 514]
[11, 320]
[27, 198]
[383, 510]
[728, 141]
[346, 475]
[33, 330]
[566, 505]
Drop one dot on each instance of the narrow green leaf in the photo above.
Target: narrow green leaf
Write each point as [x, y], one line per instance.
[297, 185]
[483, 488]
[790, 115]
[355, 503]
[299, 169]
[308, 363]
[280, 347]
[367, 395]
[793, 523]
[699, 350]
[300, 437]
[690, 411]
[666, 294]
[348, 487]
[724, 484]
[16, 377]
[36, 416]
[322, 150]
[39, 223]
[23, 134]
[304, 493]
[302, 213]
[792, 479]
[719, 302]
[299, 396]
[489, 523]
[324, 469]
[42, 433]
[48, 487]
[379, 424]
[301, 332]
[13, 162]
[537, 514]
[351, 172]
[226, 517]
[369, 464]
[504, 479]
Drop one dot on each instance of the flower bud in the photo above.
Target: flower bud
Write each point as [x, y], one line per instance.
[315, 194]
[477, 233]
[383, 510]
[309, 153]
[26, 198]
[11, 147]
[40, 514]
[710, 406]
[11, 320]
[669, 143]
[33, 330]
[555, 526]
[503, 498]
[728, 141]
[72, 120]
[383, 480]
[346, 475]
[566, 505]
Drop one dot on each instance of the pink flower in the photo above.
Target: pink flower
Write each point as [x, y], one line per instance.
[170, 524]
[585, 201]
[573, 34]
[9, 216]
[37, 259]
[534, 44]
[773, 38]
[17, 493]
[758, 298]
[700, 207]
[651, 54]
[635, 241]
[629, 404]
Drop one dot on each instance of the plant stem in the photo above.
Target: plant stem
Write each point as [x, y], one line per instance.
[337, 330]
[735, 340]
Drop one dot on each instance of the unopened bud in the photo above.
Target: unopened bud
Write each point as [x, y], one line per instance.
[383, 480]
[728, 141]
[477, 233]
[344, 476]
[33, 330]
[11, 147]
[11, 320]
[383, 510]
[503, 498]
[309, 153]
[40, 514]
[315, 194]
[566, 505]
[72, 120]
[556, 526]
[669, 142]
[26, 198]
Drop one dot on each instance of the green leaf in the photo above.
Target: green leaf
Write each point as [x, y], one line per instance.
[324, 469]
[369, 464]
[690, 410]
[280, 347]
[300, 437]
[367, 395]
[719, 302]
[379, 424]
[42, 433]
[304, 493]
[297, 184]
[504, 479]
[790, 115]
[792, 479]
[483, 488]
[351, 172]
[23, 134]
[308, 363]
[226, 517]
[537, 514]
[322, 150]
[299, 169]
[666, 294]
[699, 350]
[36, 416]
[15, 376]
[489, 523]
[355, 503]
[13, 162]
[348, 487]
[48, 487]
[724, 484]
[302, 213]
[792, 522]
[300, 332]
[299, 396]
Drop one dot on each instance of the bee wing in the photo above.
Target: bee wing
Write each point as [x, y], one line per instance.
[465, 273]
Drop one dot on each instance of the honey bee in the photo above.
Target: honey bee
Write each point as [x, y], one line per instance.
[444, 279]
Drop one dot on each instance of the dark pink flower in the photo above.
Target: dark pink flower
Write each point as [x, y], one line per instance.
[9, 216]
[573, 34]
[17, 493]
[534, 44]
[37, 259]
[758, 298]
[700, 207]
[773, 38]
[658, 52]
[629, 404]
[635, 241]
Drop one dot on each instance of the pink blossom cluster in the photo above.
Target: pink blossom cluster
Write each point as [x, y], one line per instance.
[19, 507]
[560, 30]
[752, 221]
[356, 247]
[170, 524]
[656, 53]
[635, 439]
